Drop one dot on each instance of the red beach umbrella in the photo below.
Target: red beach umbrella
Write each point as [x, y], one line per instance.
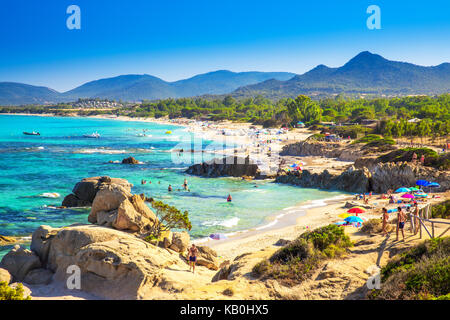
[408, 196]
[356, 210]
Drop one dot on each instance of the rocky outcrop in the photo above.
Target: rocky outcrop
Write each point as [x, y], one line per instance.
[180, 241]
[392, 175]
[207, 257]
[379, 178]
[341, 151]
[130, 160]
[351, 180]
[84, 192]
[108, 259]
[228, 166]
[19, 262]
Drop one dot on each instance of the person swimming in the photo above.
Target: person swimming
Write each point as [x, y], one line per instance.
[229, 198]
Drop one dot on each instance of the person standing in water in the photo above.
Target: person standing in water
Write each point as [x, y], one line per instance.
[185, 184]
[192, 257]
[169, 188]
[229, 199]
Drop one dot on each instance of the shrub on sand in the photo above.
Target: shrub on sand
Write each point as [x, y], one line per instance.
[296, 261]
[423, 272]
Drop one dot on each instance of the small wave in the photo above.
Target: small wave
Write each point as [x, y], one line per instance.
[99, 150]
[228, 223]
[50, 195]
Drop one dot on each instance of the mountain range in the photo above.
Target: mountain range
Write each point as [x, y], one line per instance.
[366, 73]
[137, 87]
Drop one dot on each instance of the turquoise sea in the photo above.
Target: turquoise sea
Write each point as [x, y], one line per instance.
[60, 157]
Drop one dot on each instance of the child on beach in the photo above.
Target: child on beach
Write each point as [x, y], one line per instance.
[401, 219]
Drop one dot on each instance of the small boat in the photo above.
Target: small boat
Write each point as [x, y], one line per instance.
[34, 133]
[93, 135]
[168, 132]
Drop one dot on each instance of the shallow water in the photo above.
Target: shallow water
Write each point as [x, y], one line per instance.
[61, 156]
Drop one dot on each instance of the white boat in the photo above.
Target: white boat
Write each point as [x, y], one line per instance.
[93, 135]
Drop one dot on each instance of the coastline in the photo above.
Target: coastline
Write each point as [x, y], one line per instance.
[288, 221]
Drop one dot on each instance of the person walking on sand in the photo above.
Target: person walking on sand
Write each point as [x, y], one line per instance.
[192, 257]
[416, 217]
[401, 219]
[385, 221]
[422, 159]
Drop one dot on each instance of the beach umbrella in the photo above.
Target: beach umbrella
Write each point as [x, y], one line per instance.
[422, 183]
[218, 236]
[433, 185]
[344, 215]
[353, 219]
[403, 189]
[414, 189]
[408, 196]
[355, 210]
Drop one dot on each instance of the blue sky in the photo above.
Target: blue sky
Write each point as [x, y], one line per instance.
[177, 39]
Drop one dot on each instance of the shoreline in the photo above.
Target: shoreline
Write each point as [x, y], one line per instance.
[276, 222]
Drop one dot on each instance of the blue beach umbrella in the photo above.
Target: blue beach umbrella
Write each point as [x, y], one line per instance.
[353, 219]
[422, 183]
[403, 189]
[433, 185]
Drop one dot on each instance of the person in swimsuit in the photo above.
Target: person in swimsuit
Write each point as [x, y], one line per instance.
[385, 220]
[229, 198]
[185, 184]
[192, 257]
[416, 218]
[170, 188]
[401, 219]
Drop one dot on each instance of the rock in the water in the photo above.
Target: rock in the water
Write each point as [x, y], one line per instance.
[38, 276]
[19, 261]
[5, 276]
[228, 166]
[180, 241]
[352, 180]
[130, 160]
[84, 192]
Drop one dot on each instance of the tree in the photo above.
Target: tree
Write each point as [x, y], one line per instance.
[169, 218]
